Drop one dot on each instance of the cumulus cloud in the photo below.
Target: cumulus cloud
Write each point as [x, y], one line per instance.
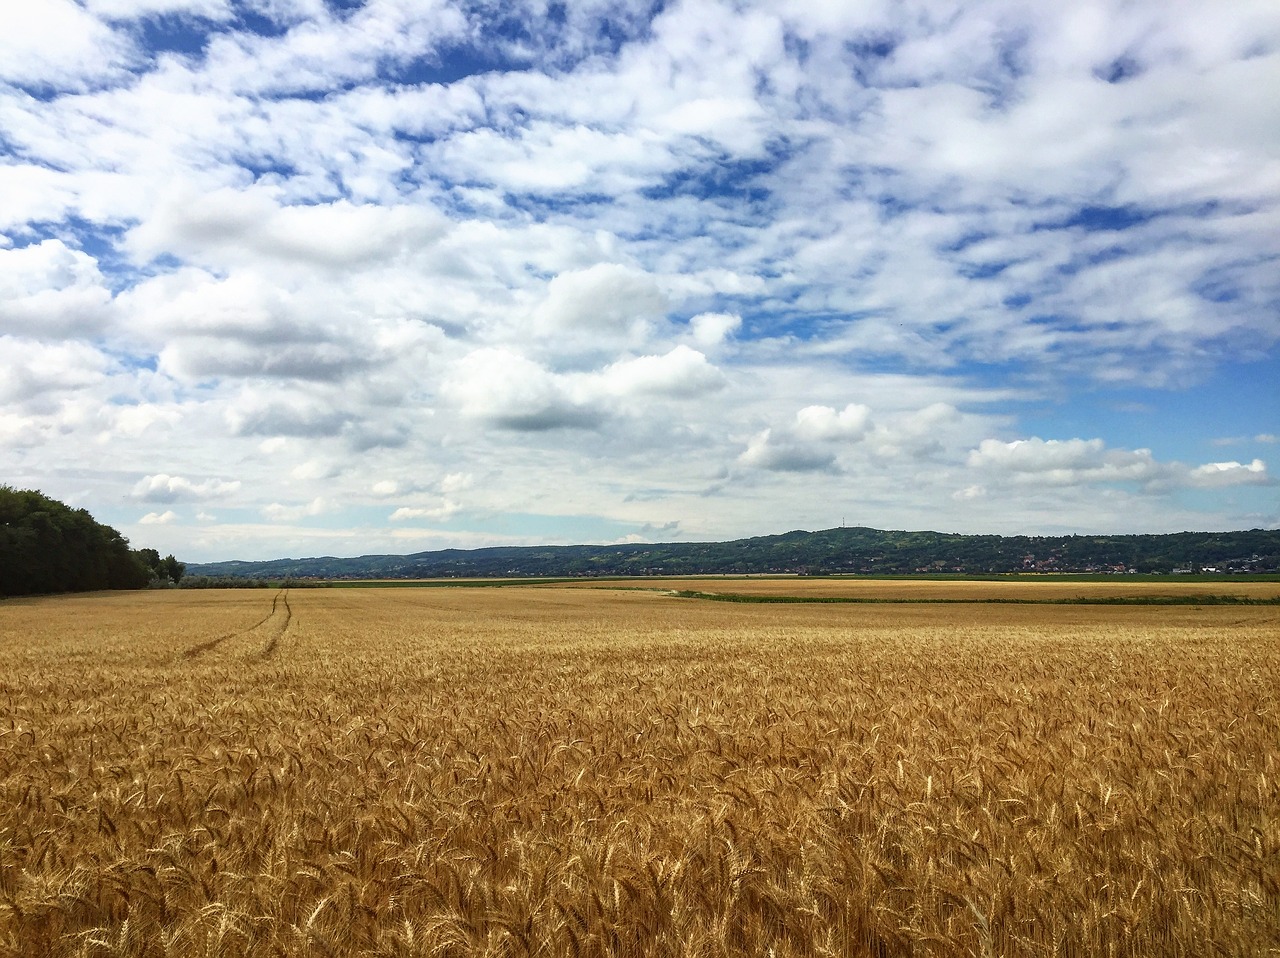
[510, 391]
[810, 441]
[282, 512]
[456, 482]
[1215, 474]
[923, 433]
[374, 433]
[17, 432]
[607, 298]
[514, 392]
[159, 518]
[133, 9]
[51, 291]
[823, 422]
[435, 500]
[682, 372]
[245, 326]
[35, 374]
[443, 510]
[205, 359]
[298, 416]
[246, 227]
[1065, 462]
[166, 488]
[315, 469]
[135, 420]
[60, 44]
[711, 329]
[765, 451]
[1088, 461]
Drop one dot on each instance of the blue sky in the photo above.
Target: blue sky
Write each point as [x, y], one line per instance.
[292, 277]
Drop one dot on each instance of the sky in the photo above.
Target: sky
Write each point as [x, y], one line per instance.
[310, 277]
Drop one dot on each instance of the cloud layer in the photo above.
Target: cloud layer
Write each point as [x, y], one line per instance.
[697, 268]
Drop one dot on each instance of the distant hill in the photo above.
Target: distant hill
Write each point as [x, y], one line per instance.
[844, 550]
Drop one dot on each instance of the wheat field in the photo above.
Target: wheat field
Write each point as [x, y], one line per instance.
[1046, 589]
[561, 771]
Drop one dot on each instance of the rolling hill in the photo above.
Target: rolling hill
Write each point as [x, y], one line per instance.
[832, 551]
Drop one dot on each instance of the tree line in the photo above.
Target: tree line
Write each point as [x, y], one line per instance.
[46, 546]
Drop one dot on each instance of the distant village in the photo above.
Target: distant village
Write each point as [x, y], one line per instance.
[1244, 565]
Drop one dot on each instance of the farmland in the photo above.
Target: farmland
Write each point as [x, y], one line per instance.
[607, 769]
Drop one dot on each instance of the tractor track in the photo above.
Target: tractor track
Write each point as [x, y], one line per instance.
[204, 648]
[273, 644]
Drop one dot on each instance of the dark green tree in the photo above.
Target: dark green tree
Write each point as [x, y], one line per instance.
[46, 546]
[151, 559]
[173, 569]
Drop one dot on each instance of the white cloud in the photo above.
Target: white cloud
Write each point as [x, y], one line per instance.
[925, 432]
[245, 326]
[1215, 474]
[682, 372]
[50, 291]
[315, 469]
[443, 510]
[159, 518]
[811, 441]
[279, 512]
[514, 392]
[546, 158]
[300, 416]
[320, 52]
[764, 451]
[456, 482]
[135, 421]
[823, 422]
[17, 431]
[711, 329]
[166, 488]
[218, 10]
[1089, 461]
[37, 375]
[247, 226]
[56, 42]
[1065, 462]
[605, 298]
[510, 391]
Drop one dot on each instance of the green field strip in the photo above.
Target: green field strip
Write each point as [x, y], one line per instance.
[988, 600]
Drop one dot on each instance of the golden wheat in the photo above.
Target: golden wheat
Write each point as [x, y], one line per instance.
[1045, 588]
[556, 771]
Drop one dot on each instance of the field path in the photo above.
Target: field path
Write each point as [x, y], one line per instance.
[280, 624]
[246, 643]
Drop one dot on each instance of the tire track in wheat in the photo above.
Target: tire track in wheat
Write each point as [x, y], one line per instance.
[273, 644]
[204, 648]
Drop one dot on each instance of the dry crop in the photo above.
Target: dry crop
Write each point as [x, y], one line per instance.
[559, 772]
[1046, 589]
